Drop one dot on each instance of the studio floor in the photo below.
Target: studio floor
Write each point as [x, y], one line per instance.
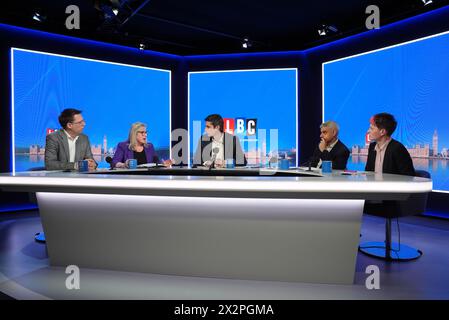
[25, 272]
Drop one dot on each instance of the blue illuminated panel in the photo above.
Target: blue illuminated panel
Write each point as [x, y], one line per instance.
[249, 101]
[408, 80]
[112, 96]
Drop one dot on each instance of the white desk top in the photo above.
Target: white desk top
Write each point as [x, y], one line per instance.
[363, 185]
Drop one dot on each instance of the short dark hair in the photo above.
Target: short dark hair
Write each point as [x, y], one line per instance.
[385, 121]
[66, 116]
[216, 120]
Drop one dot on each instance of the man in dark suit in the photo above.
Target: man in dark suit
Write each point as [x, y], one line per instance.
[386, 155]
[330, 148]
[216, 146]
[68, 145]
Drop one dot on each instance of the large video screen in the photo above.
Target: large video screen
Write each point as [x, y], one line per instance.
[410, 81]
[258, 106]
[111, 96]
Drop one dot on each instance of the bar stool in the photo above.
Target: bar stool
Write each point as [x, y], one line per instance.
[389, 210]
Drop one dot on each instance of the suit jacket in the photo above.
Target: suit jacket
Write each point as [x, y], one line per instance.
[57, 155]
[338, 155]
[232, 150]
[123, 153]
[397, 160]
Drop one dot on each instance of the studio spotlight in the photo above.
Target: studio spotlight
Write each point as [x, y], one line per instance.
[427, 2]
[322, 31]
[142, 46]
[109, 13]
[333, 29]
[325, 30]
[246, 43]
[38, 17]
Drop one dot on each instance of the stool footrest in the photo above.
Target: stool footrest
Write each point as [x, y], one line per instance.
[397, 253]
[39, 237]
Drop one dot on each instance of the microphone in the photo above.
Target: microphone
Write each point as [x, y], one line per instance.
[214, 157]
[308, 164]
[273, 160]
[109, 160]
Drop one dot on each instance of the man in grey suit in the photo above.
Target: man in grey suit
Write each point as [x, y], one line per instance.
[65, 147]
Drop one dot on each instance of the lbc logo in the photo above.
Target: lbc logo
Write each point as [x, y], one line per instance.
[240, 126]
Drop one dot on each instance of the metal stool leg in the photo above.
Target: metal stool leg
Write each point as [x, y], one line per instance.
[389, 250]
[40, 237]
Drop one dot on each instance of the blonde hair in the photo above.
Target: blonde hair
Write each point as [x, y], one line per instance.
[136, 126]
[331, 124]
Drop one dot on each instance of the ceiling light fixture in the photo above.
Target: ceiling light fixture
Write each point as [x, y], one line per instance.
[246, 43]
[326, 29]
[38, 17]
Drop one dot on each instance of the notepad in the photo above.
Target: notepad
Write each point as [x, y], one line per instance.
[349, 172]
[149, 165]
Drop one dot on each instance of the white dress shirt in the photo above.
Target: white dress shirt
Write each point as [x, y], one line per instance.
[220, 145]
[72, 146]
[217, 144]
[380, 155]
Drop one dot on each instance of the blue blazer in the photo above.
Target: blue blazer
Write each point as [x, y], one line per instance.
[123, 153]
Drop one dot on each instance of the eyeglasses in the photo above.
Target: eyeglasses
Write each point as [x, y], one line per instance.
[79, 122]
[142, 132]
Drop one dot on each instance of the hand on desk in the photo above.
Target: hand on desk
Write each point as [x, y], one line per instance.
[120, 165]
[167, 163]
[92, 164]
[217, 164]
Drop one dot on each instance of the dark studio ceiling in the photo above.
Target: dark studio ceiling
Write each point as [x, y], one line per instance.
[192, 27]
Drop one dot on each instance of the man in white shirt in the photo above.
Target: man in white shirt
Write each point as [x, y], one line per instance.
[65, 147]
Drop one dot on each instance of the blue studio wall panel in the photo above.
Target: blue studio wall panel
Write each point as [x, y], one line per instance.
[33, 40]
[268, 96]
[112, 96]
[408, 80]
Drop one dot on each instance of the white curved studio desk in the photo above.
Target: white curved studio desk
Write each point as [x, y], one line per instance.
[266, 228]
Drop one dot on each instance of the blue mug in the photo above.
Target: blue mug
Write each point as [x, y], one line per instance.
[132, 163]
[284, 164]
[230, 163]
[326, 167]
[83, 166]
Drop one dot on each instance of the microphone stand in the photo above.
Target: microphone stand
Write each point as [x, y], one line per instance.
[213, 163]
[109, 160]
[214, 157]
